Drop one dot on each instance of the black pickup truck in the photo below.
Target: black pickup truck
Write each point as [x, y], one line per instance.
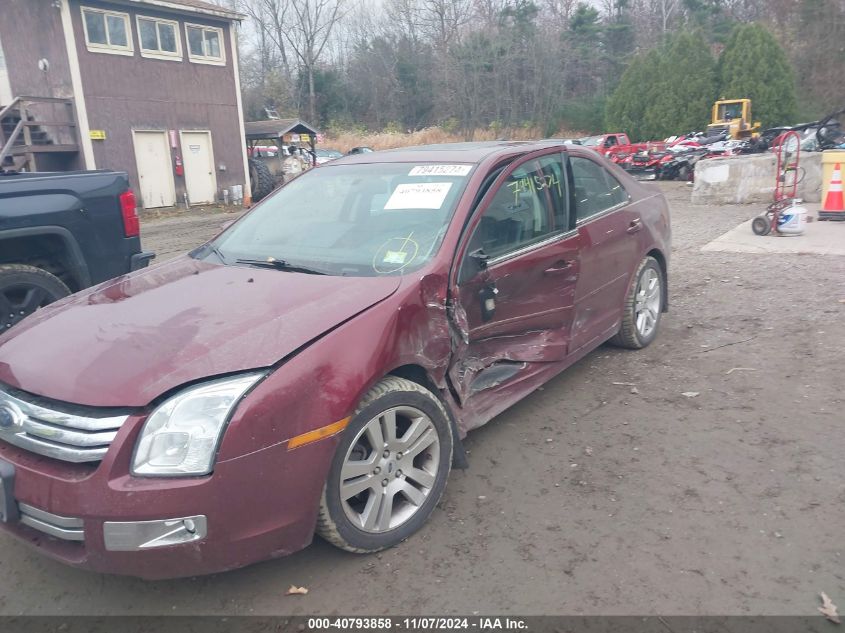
[62, 232]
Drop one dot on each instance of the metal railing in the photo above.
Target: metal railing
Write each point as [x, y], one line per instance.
[11, 145]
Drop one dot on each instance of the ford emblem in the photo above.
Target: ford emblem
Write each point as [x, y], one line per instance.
[9, 417]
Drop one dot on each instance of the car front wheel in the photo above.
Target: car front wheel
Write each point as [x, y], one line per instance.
[643, 307]
[389, 470]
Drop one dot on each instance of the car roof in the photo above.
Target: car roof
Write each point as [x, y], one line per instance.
[472, 152]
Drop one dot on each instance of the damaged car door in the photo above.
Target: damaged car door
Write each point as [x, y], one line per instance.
[513, 303]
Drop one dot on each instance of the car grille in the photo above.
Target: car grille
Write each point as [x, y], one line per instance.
[66, 432]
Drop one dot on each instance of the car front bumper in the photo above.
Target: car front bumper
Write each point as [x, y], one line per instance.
[251, 508]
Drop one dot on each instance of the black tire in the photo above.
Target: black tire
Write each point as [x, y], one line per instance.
[260, 179]
[24, 289]
[333, 524]
[683, 173]
[629, 335]
[761, 225]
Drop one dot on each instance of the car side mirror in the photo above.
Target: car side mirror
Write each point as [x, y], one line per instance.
[475, 262]
[480, 258]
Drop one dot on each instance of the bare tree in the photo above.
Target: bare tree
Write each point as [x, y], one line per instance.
[443, 19]
[667, 8]
[310, 27]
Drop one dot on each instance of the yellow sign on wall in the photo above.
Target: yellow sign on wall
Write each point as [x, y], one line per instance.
[98, 135]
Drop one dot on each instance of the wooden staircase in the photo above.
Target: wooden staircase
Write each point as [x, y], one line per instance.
[26, 144]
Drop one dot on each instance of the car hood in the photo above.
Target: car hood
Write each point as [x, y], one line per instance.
[129, 340]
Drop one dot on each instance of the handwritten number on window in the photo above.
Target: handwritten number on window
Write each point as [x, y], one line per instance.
[534, 184]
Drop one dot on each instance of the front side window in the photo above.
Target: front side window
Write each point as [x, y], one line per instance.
[528, 207]
[205, 44]
[357, 220]
[106, 31]
[594, 189]
[159, 38]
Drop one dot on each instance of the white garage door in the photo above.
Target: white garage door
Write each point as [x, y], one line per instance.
[155, 170]
[5, 86]
[199, 167]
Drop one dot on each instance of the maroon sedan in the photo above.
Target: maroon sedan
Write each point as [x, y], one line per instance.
[315, 366]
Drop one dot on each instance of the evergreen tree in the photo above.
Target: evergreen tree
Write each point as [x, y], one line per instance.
[754, 66]
[685, 88]
[627, 105]
[666, 91]
[582, 60]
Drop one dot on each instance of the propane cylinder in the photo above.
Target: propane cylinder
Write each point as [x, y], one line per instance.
[793, 220]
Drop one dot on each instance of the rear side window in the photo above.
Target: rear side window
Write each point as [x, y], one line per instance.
[594, 189]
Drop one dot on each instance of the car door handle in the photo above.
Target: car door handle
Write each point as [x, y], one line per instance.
[635, 226]
[558, 268]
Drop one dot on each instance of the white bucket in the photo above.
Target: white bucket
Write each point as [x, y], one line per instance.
[792, 220]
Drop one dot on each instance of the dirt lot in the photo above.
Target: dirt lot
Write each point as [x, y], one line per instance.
[592, 497]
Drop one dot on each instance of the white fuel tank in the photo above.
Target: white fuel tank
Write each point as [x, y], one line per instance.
[793, 220]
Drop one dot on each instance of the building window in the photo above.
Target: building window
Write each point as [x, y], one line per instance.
[205, 44]
[107, 31]
[159, 38]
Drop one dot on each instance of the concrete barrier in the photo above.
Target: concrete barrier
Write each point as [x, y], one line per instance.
[750, 179]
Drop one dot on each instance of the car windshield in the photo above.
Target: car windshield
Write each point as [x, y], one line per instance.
[359, 220]
[591, 141]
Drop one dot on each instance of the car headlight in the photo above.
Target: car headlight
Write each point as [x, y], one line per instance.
[181, 436]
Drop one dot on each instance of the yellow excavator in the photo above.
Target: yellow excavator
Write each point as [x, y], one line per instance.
[734, 116]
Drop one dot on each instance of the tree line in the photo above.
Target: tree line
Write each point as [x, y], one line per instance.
[648, 67]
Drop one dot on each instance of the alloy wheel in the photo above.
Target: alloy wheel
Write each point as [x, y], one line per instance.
[647, 302]
[389, 469]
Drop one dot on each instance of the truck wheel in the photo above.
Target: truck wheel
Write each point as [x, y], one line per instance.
[260, 179]
[24, 289]
[389, 470]
[643, 307]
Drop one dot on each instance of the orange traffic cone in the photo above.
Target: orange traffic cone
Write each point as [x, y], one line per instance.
[834, 203]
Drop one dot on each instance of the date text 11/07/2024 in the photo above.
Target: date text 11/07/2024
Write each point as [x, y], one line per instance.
[476, 623]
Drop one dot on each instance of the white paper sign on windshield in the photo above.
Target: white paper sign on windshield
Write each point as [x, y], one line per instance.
[440, 170]
[422, 195]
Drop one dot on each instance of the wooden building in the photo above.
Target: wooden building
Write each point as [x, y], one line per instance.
[149, 87]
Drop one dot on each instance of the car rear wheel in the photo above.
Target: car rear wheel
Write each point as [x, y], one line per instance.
[389, 470]
[643, 307]
[24, 289]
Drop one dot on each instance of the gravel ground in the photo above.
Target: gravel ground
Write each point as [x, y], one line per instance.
[608, 491]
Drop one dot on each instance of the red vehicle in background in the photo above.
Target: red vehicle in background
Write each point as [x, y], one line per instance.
[617, 147]
[606, 144]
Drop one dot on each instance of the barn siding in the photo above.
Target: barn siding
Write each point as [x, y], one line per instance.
[31, 30]
[136, 93]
